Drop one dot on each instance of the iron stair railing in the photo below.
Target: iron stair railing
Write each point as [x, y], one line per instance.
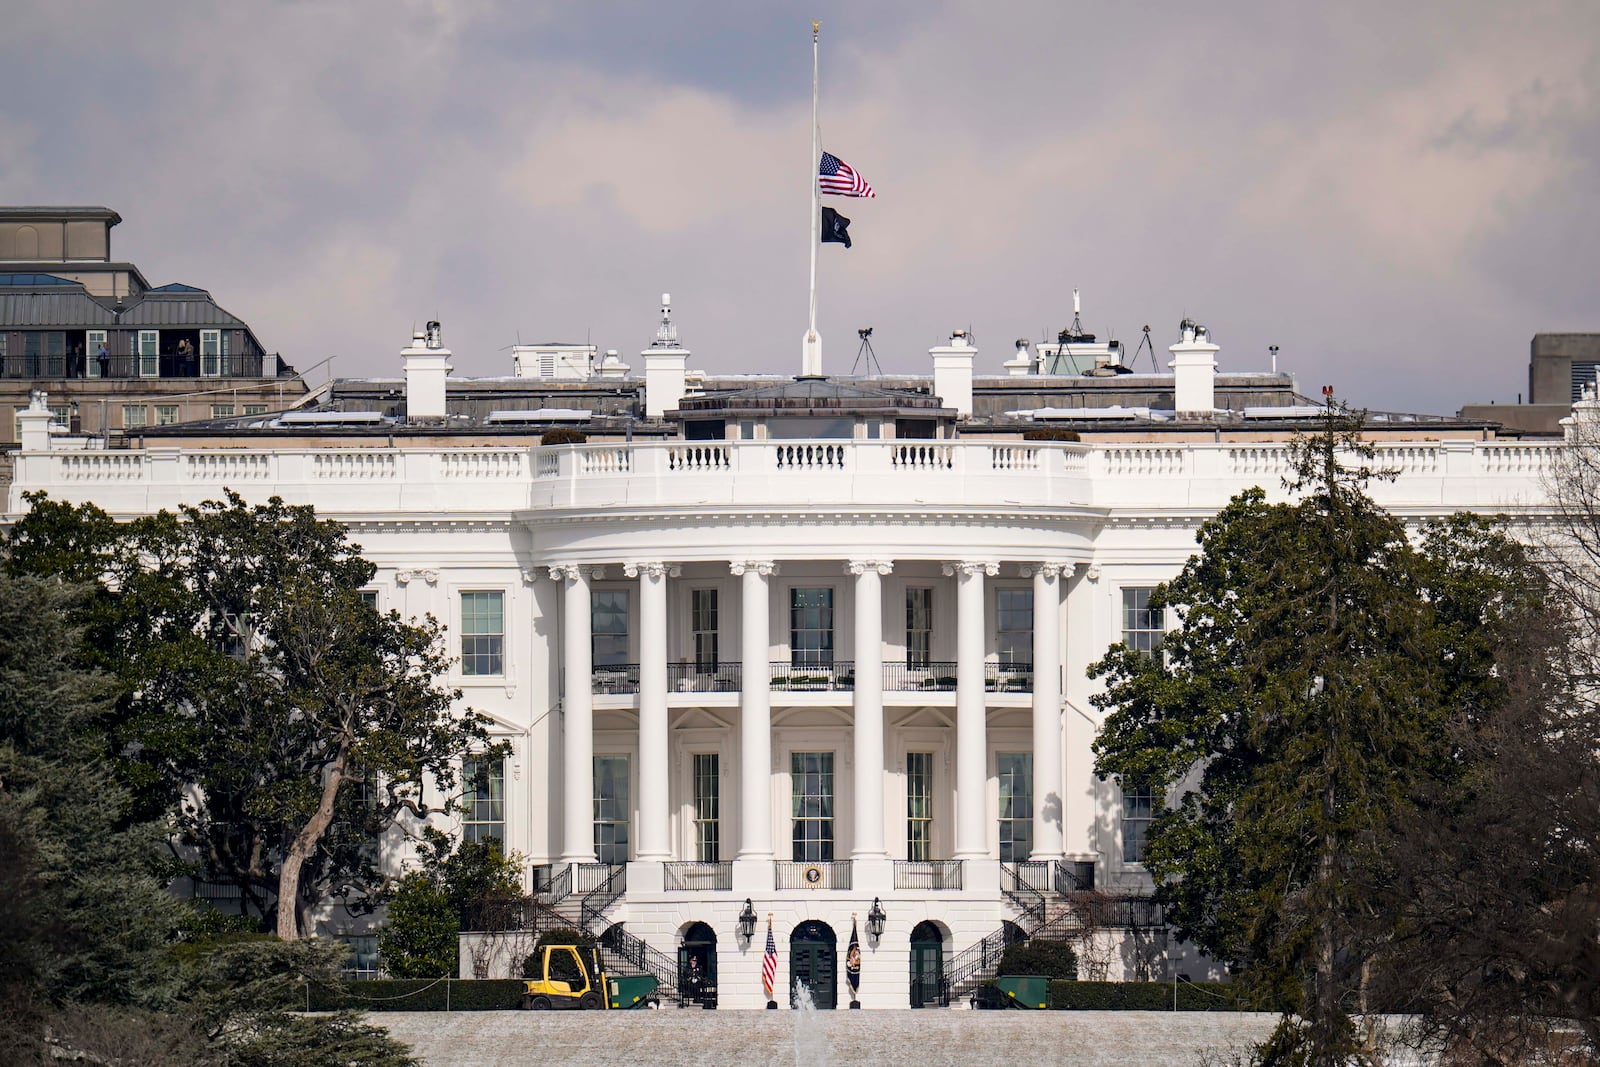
[1028, 901]
[636, 953]
[598, 900]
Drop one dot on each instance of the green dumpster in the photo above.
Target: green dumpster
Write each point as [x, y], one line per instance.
[634, 991]
[1030, 991]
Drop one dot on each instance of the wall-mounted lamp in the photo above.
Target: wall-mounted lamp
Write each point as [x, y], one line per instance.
[747, 921]
[875, 918]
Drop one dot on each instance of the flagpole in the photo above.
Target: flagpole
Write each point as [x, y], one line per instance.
[811, 347]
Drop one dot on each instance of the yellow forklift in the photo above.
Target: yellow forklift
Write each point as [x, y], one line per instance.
[572, 977]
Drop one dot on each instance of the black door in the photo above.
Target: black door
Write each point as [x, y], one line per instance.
[813, 962]
[927, 967]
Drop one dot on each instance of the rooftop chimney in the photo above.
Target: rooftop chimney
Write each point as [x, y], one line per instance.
[427, 364]
[952, 372]
[1194, 372]
[664, 364]
[1022, 362]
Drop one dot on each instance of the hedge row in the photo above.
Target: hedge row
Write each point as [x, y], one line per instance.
[1141, 996]
[421, 994]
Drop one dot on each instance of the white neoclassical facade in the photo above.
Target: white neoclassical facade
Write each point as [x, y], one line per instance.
[806, 649]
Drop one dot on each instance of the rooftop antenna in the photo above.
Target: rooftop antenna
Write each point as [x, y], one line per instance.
[1077, 306]
[1274, 350]
[871, 357]
[1145, 343]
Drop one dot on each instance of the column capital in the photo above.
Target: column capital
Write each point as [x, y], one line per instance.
[653, 570]
[971, 568]
[764, 567]
[571, 572]
[1090, 571]
[429, 575]
[858, 567]
[1051, 571]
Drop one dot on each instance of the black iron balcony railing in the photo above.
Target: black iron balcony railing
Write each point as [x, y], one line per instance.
[703, 678]
[160, 365]
[790, 677]
[927, 874]
[822, 874]
[786, 676]
[933, 676]
[615, 678]
[691, 876]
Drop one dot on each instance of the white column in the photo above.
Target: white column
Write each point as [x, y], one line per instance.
[1048, 840]
[655, 844]
[972, 755]
[577, 715]
[869, 709]
[755, 714]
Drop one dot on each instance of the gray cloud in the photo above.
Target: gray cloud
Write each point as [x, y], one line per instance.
[1399, 196]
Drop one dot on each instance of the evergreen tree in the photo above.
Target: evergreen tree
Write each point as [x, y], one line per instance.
[1290, 716]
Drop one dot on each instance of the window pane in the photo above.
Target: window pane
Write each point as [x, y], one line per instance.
[135, 416]
[919, 627]
[483, 633]
[703, 612]
[1142, 626]
[1138, 808]
[611, 809]
[811, 787]
[811, 627]
[1014, 625]
[707, 808]
[166, 414]
[919, 806]
[1016, 806]
[483, 799]
[608, 622]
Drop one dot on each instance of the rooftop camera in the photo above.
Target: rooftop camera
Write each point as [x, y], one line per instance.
[864, 333]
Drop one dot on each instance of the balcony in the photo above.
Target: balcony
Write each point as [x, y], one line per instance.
[784, 676]
[822, 874]
[933, 875]
[704, 678]
[691, 877]
[160, 365]
[789, 677]
[615, 678]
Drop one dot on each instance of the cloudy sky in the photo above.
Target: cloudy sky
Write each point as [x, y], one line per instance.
[1399, 195]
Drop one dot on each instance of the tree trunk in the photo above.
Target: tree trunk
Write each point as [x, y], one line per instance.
[295, 859]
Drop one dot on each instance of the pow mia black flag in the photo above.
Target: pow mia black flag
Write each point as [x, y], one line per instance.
[835, 227]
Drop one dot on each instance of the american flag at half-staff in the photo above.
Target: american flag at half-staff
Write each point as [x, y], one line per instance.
[769, 961]
[836, 176]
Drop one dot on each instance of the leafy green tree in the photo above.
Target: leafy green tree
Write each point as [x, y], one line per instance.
[421, 935]
[260, 696]
[1291, 714]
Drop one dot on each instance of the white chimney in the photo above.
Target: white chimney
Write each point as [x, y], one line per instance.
[33, 423]
[664, 364]
[427, 364]
[613, 367]
[952, 372]
[1194, 372]
[1022, 362]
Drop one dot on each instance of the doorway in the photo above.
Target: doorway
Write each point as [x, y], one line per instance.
[928, 989]
[697, 966]
[813, 962]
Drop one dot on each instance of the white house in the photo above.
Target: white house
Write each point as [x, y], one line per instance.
[809, 649]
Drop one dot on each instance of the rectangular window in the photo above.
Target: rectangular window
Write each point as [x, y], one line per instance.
[811, 627]
[611, 809]
[1138, 808]
[483, 799]
[1142, 627]
[1016, 806]
[608, 627]
[61, 415]
[811, 783]
[135, 416]
[919, 806]
[149, 353]
[707, 807]
[483, 633]
[703, 621]
[919, 626]
[55, 350]
[222, 411]
[255, 409]
[369, 597]
[93, 342]
[210, 353]
[166, 414]
[362, 963]
[1014, 626]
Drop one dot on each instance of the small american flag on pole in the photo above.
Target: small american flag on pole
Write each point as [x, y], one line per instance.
[769, 961]
[836, 176]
